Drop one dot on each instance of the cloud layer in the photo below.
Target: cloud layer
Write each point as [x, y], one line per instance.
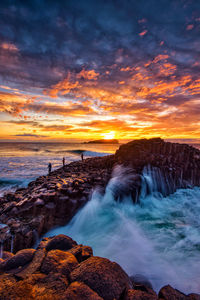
[76, 69]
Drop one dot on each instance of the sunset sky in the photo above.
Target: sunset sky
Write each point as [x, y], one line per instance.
[90, 69]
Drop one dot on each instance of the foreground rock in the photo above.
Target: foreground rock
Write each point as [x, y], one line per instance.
[54, 199]
[72, 273]
[103, 276]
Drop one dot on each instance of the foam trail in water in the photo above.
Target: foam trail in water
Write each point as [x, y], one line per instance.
[159, 238]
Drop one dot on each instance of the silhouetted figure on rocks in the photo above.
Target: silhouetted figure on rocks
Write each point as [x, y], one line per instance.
[49, 167]
[63, 160]
[82, 156]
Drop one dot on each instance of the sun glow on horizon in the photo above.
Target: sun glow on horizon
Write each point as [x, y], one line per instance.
[109, 135]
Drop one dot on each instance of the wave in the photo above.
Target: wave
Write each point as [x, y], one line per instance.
[78, 152]
[94, 153]
[29, 149]
[10, 182]
[158, 237]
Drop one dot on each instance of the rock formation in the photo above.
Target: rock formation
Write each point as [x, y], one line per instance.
[103, 141]
[171, 165]
[60, 269]
[54, 199]
[49, 201]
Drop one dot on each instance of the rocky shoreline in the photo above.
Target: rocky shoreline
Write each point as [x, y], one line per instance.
[49, 201]
[61, 269]
[54, 199]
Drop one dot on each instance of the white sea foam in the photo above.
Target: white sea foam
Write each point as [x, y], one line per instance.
[158, 238]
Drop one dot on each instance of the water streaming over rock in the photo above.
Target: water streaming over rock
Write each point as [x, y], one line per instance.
[12, 243]
[1, 250]
[36, 237]
[158, 237]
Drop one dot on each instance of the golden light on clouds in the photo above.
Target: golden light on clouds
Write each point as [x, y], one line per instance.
[93, 73]
[143, 100]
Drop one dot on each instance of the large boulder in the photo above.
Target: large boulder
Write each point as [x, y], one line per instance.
[140, 295]
[34, 265]
[59, 261]
[20, 259]
[168, 293]
[104, 277]
[79, 290]
[61, 242]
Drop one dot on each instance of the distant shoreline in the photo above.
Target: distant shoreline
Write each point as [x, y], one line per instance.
[103, 141]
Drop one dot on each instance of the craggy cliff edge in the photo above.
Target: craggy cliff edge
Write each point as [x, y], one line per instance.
[54, 199]
[60, 269]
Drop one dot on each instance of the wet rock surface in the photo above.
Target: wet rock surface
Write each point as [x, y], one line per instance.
[106, 278]
[177, 164]
[50, 201]
[168, 293]
[57, 274]
[54, 199]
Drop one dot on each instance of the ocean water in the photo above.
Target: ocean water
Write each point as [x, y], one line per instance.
[21, 163]
[158, 238]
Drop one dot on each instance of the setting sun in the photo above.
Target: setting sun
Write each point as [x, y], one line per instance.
[109, 135]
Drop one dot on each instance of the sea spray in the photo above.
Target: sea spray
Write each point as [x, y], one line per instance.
[158, 238]
[122, 183]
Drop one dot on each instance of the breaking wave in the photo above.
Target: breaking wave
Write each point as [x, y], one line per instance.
[159, 237]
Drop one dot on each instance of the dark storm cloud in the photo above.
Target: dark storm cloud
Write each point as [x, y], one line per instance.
[53, 37]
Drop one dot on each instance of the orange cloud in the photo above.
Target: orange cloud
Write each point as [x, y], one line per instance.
[143, 32]
[90, 74]
[157, 59]
[71, 82]
[140, 99]
[167, 69]
[190, 27]
[64, 87]
[165, 89]
[9, 47]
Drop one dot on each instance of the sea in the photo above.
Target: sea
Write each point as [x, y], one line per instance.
[158, 238]
[23, 162]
